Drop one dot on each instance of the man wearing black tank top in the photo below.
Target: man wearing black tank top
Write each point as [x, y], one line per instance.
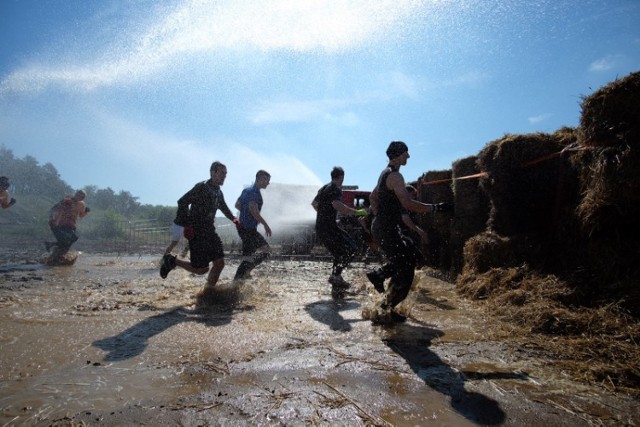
[328, 204]
[389, 200]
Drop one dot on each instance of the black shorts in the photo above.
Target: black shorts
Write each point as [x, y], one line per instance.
[251, 240]
[65, 236]
[204, 248]
[337, 241]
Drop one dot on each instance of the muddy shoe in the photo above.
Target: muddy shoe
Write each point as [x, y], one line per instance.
[377, 280]
[338, 293]
[382, 317]
[168, 263]
[398, 318]
[337, 282]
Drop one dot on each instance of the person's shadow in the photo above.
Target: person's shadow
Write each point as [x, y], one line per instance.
[412, 344]
[328, 312]
[133, 341]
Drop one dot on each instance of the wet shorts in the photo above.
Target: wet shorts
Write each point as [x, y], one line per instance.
[65, 236]
[251, 240]
[205, 248]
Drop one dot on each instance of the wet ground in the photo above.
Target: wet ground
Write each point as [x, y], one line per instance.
[108, 342]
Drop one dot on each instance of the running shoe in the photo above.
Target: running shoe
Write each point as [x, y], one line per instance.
[338, 282]
[168, 263]
[397, 317]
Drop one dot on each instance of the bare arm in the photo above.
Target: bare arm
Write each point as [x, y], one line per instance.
[342, 208]
[395, 182]
[413, 226]
[255, 212]
[82, 209]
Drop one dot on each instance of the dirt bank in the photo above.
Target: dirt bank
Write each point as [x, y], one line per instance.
[108, 342]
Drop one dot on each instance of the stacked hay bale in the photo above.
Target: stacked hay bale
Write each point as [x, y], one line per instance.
[561, 253]
[438, 227]
[610, 208]
[471, 209]
[522, 190]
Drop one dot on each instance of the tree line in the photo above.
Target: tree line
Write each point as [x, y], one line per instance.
[28, 177]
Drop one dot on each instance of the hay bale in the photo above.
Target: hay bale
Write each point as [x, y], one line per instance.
[487, 250]
[471, 209]
[438, 226]
[522, 193]
[611, 116]
[608, 211]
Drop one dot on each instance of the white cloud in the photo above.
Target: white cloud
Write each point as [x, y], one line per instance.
[296, 111]
[201, 27]
[604, 64]
[539, 118]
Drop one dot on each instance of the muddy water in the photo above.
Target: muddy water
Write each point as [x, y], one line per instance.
[109, 342]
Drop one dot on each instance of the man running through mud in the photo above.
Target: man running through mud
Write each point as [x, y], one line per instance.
[63, 218]
[412, 231]
[389, 199]
[255, 248]
[196, 213]
[328, 204]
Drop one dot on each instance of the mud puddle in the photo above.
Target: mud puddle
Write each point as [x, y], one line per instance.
[108, 342]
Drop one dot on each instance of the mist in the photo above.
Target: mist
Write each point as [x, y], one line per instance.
[286, 208]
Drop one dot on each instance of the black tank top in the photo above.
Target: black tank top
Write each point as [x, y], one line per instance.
[389, 207]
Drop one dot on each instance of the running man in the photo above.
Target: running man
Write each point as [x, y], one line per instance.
[255, 248]
[63, 219]
[412, 231]
[389, 200]
[327, 204]
[196, 213]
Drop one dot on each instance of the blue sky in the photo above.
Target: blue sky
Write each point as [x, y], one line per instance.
[143, 95]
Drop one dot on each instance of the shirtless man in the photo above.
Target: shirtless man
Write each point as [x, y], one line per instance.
[5, 200]
[63, 219]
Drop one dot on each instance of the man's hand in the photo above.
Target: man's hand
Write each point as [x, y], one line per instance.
[87, 209]
[188, 232]
[236, 221]
[12, 202]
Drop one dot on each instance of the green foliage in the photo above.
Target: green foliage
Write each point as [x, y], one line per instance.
[117, 221]
[28, 178]
[105, 225]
